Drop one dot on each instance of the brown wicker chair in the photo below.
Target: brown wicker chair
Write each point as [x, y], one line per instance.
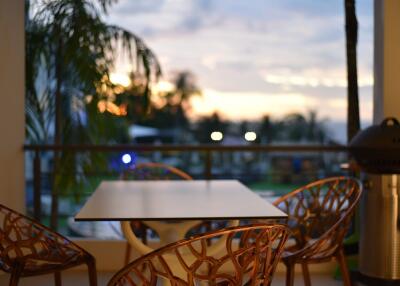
[154, 171]
[251, 252]
[319, 216]
[28, 248]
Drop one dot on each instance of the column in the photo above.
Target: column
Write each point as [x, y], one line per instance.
[12, 115]
[386, 59]
[379, 240]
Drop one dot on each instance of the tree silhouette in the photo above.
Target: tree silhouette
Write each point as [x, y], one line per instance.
[208, 124]
[294, 127]
[353, 113]
[171, 110]
[299, 127]
[70, 52]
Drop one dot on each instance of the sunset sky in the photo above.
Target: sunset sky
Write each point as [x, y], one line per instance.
[257, 57]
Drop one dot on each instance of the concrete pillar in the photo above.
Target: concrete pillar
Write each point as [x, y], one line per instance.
[386, 59]
[380, 212]
[12, 115]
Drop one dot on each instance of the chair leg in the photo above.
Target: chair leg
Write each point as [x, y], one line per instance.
[16, 274]
[289, 274]
[128, 250]
[343, 267]
[143, 233]
[57, 278]
[306, 274]
[91, 264]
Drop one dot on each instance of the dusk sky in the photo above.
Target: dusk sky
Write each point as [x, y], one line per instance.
[257, 57]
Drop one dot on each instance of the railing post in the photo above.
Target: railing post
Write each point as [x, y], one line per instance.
[207, 170]
[37, 207]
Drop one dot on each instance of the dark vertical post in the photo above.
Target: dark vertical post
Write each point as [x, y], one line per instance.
[208, 165]
[37, 207]
[351, 26]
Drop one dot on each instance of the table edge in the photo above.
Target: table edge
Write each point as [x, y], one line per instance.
[183, 218]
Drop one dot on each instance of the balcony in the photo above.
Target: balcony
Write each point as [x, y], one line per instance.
[269, 170]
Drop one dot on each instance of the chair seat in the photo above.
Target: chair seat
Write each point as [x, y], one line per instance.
[319, 216]
[48, 261]
[291, 248]
[28, 248]
[252, 251]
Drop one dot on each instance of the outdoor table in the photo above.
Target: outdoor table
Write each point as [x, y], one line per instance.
[189, 201]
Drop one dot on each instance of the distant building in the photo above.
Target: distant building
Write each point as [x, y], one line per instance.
[150, 135]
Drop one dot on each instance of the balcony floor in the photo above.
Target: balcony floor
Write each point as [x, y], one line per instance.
[80, 278]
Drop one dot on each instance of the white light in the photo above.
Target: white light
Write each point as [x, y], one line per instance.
[250, 136]
[163, 87]
[126, 158]
[217, 136]
[121, 79]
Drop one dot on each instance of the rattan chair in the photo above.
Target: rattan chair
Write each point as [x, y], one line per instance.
[154, 171]
[319, 216]
[249, 257]
[28, 248]
[132, 229]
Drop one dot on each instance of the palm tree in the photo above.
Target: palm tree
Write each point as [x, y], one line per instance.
[297, 127]
[171, 106]
[70, 52]
[353, 113]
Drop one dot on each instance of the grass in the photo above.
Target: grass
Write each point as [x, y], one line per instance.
[277, 188]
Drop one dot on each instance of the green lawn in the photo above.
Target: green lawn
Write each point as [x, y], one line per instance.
[278, 188]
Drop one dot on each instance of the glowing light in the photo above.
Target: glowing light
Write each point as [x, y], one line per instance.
[111, 107]
[120, 79]
[88, 98]
[250, 136]
[216, 136]
[102, 106]
[163, 87]
[126, 158]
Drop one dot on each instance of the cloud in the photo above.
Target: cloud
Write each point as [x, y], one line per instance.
[209, 61]
[157, 17]
[314, 78]
[128, 7]
[262, 48]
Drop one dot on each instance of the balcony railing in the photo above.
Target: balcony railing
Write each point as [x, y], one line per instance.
[252, 164]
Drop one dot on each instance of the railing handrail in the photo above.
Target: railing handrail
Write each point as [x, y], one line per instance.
[200, 147]
[207, 149]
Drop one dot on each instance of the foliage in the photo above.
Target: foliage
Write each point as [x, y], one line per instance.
[304, 127]
[294, 127]
[268, 130]
[169, 109]
[208, 124]
[70, 53]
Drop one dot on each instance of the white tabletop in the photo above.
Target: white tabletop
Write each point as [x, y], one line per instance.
[175, 200]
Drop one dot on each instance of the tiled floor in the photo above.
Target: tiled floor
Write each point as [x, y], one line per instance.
[78, 278]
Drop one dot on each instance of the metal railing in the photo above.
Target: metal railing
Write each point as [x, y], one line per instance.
[206, 150]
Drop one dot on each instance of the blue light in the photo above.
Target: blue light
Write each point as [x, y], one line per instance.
[126, 158]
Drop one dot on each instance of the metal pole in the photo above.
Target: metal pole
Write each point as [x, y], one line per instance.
[208, 162]
[37, 207]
